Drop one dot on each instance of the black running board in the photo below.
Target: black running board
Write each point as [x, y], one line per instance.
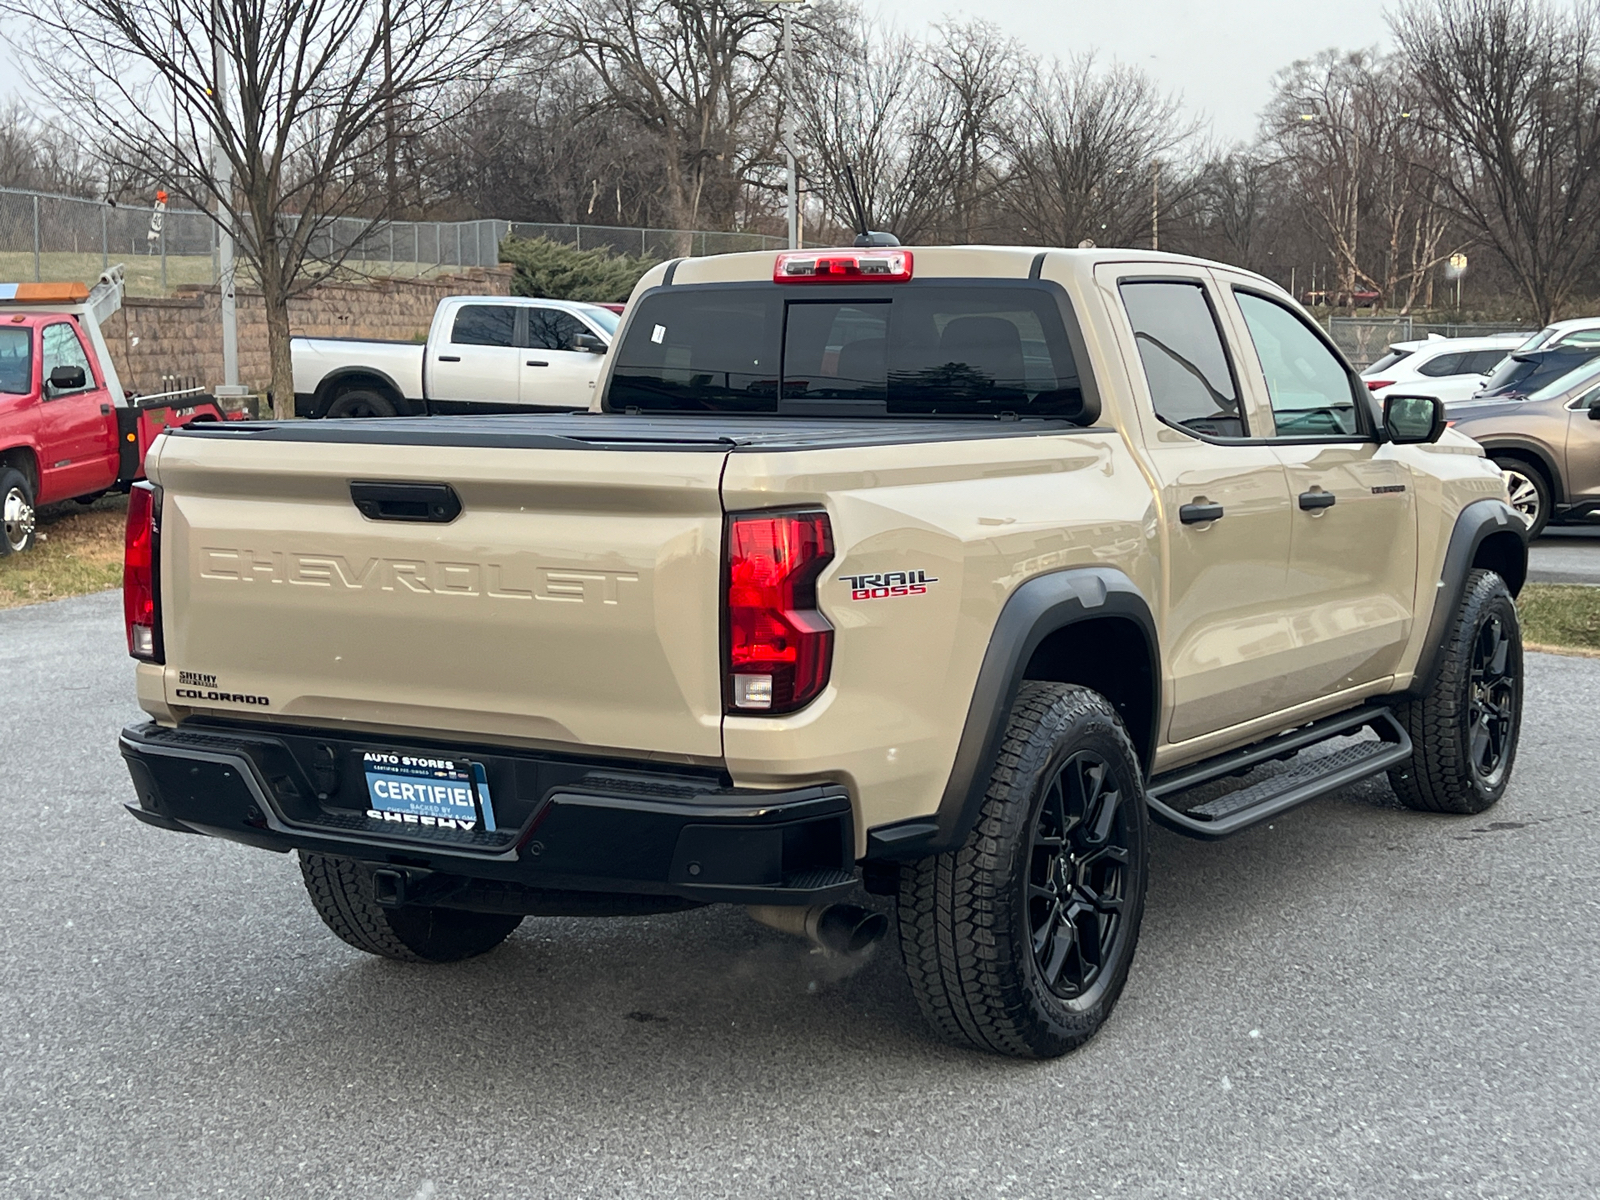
[1238, 810]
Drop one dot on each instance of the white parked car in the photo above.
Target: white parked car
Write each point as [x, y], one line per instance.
[483, 354]
[1450, 368]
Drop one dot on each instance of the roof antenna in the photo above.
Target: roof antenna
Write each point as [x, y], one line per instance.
[865, 236]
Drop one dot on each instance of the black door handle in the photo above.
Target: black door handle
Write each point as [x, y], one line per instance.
[449, 358]
[1315, 500]
[1195, 514]
[536, 362]
[105, 410]
[435, 503]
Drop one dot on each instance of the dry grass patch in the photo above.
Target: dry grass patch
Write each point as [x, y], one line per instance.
[78, 551]
[1560, 616]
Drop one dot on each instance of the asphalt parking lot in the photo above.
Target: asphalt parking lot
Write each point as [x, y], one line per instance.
[1354, 1002]
[1566, 554]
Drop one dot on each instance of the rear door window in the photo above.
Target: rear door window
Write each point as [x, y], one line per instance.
[1444, 364]
[912, 351]
[1192, 384]
[485, 325]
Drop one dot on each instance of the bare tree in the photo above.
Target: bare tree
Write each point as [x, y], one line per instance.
[39, 155]
[1083, 152]
[1513, 88]
[699, 76]
[978, 69]
[869, 101]
[273, 114]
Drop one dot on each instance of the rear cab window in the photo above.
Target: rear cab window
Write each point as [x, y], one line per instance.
[485, 325]
[935, 348]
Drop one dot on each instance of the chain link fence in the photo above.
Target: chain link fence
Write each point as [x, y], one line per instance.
[44, 236]
[1364, 340]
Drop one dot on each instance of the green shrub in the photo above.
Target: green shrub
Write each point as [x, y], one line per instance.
[556, 271]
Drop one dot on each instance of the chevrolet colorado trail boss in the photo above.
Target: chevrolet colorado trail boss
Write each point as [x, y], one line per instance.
[940, 571]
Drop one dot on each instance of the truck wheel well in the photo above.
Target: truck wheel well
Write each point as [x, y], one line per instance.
[1503, 554]
[20, 458]
[1108, 655]
[332, 389]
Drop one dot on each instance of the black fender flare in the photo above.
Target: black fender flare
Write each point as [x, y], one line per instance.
[1038, 608]
[330, 386]
[1528, 448]
[1475, 524]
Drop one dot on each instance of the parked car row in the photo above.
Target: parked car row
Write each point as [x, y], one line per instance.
[1532, 402]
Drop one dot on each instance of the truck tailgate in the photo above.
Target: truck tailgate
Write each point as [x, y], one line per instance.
[573, 600]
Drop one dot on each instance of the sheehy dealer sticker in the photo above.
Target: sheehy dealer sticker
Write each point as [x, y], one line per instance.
[891, 583]
[439, 793]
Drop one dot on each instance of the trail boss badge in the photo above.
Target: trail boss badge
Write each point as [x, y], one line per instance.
[893, 583]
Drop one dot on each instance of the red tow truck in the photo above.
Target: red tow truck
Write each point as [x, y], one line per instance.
[68, 430]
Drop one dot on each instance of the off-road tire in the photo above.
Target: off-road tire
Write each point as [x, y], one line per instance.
[361, 402]
[1530, 491]
[341, 891]
[1440, 775]
[17, 532]
[964, 917]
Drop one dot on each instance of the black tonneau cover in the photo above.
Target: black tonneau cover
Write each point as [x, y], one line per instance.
[618, 431]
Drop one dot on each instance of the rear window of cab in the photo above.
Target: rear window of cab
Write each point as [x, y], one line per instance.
[933, 349]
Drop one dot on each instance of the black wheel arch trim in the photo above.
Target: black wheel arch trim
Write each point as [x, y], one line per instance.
[1475, 525]
[331, 385]
[1527, 448]
[1038, 608]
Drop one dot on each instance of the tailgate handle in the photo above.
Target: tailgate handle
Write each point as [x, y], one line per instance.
[435, 503]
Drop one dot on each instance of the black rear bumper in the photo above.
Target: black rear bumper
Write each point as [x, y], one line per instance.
[567, 825]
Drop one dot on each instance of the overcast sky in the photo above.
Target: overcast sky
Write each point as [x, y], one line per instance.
[1221, 55]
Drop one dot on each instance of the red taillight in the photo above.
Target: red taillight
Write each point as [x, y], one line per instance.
[1374, 384]
[141, 609]
[842, 266]
[780, 647]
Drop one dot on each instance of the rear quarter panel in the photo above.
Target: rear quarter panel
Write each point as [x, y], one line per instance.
[315, 359]
[979, 518]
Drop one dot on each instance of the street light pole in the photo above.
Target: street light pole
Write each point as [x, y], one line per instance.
[223, 170]
[788, 132]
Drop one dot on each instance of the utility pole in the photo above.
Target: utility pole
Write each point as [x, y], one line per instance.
[223, 170]
[788, 132]
[1155, 204]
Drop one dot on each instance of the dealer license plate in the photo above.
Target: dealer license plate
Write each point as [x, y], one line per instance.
[420, 792]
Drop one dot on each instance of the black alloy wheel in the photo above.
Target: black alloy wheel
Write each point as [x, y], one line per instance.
[1078, 874]
[1492, 701]
[1464, 726]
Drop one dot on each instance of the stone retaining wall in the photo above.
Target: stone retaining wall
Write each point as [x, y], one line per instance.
[161, 343]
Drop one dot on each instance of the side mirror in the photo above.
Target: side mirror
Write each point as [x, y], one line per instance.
[1413, 420]
[589, 343]
[1594, 407]
[67, 379]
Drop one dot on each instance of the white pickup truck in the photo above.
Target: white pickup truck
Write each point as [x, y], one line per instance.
[483, 354]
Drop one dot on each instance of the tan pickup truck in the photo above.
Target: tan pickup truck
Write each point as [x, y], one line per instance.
[937, 571]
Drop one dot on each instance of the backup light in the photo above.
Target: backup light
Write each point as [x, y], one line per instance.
[779, 647]
[842, 266]
[141, 565]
